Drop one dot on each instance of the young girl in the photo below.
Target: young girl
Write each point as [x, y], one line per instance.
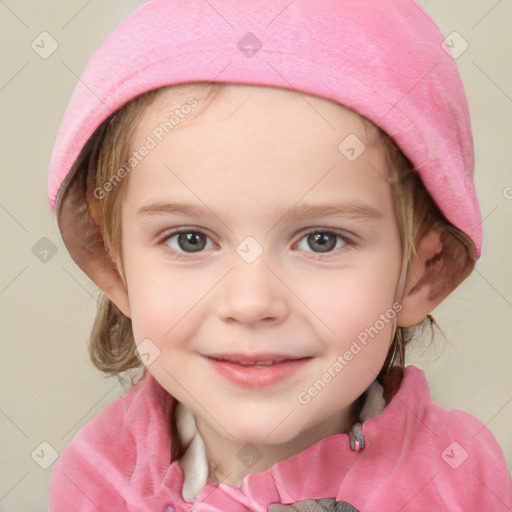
[272, 197]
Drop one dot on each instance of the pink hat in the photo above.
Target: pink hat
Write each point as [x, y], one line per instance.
[385, 60]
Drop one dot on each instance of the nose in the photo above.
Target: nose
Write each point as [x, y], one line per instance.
[251, 294]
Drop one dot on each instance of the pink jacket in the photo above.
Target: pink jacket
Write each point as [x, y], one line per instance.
[418, 456]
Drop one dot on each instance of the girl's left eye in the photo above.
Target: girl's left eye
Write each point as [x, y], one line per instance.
[323, 241]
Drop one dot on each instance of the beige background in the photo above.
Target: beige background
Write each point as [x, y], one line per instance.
[49, 389]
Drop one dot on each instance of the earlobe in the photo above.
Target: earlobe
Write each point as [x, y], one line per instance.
[110, 283]
[423, 289]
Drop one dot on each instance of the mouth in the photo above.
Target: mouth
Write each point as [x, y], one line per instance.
[259, 370]
[259, 360]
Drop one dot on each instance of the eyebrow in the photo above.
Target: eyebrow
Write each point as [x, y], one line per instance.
[355, 210]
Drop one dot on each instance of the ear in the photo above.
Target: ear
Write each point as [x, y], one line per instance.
[79, 226]
[107, 279]
[426, 284]
[104, 272]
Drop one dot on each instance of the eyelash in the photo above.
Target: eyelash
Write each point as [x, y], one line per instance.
[348, 242]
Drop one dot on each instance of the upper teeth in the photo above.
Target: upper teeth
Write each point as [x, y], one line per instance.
[263, 363]
[268, 362]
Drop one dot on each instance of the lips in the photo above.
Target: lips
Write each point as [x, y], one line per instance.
[257, 371]
[261, 360]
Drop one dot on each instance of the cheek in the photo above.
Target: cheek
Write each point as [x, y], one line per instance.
[357, 318]
[348, 301]
[164, 303]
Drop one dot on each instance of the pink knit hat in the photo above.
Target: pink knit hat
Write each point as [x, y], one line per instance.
[384, 59]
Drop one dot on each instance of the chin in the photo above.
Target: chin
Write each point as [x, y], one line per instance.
[260, 432]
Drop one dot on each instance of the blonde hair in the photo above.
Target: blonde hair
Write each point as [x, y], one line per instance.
[112, 345]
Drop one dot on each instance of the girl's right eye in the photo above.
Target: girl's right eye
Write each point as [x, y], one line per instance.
[187, 241]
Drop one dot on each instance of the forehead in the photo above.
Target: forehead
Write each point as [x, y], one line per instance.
[219, 104]
[245, 140]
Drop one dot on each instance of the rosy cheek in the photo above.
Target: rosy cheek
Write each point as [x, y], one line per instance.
[161, 311]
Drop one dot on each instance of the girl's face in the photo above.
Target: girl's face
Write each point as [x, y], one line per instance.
[261, 231]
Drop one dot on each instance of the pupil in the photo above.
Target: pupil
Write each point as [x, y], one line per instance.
[190, 241]
[326, 242]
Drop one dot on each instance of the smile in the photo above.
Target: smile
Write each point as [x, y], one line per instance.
[263, 363]
[256, 371]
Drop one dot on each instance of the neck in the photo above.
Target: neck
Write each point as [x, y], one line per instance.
[230, 462]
